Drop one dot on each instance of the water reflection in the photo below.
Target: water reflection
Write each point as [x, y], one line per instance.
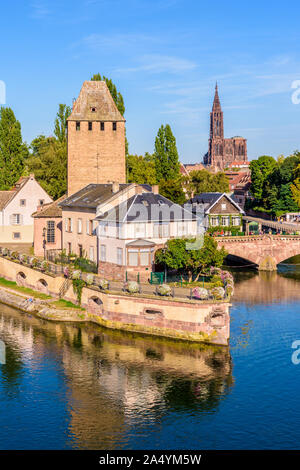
[116, 382]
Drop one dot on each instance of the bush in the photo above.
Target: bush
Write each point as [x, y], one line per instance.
[22, 258]
[85, 265]
[217, 293]
[45, 265]
[89, 279]
[200, 293]
[103, 284]
[132, 287]
[14, 255]
[33, 262]
[164, 289]
[76, 274]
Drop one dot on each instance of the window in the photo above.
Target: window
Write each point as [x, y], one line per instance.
[93, 109]
[140, 230]
[114, 126]
[120, 256]
[80, 251]
[103, 253]
[161, 230]
[223, 207]
[181, 229]
[23, 202]
[50, 231]
[103, 229]
[144, 257]
[16, 235]
[41, 202]
[90, 126]
[225, 221]
[16, 219]
[91, 227]
[214, 221]
[69, 248]
[91, 253]
[69, 225]
[102, 126]
[236, 221]
[77, 126]
[133, 257]
[79, 226]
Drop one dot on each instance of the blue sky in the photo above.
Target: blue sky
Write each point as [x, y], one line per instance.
[165, 57]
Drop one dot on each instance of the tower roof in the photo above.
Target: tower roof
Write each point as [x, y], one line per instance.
[216, 103]
[95, 103]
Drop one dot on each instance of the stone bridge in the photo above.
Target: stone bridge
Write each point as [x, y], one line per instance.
[264, 251]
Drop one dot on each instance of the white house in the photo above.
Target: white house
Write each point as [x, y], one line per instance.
[131, 232]
[16, 208]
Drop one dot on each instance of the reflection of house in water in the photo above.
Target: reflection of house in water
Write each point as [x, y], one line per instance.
[118, 382]
[15, 333]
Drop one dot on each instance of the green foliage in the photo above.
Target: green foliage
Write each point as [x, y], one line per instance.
[13, 152]
[165, 155]
[48, 162]
[140, 169]
[60, 124]
[275, 185]
[85, 265]
[195, 262]
[78, 285]
[203, 181]
[172, 189]
[117, 97]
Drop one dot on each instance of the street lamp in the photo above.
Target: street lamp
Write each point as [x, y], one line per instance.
[44, 241]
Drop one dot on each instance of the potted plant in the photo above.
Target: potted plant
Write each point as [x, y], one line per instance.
[103, 284]
[164, 289]
[22, 258]
[200, 293]
[132, 287]
[89, 279]
[44, 266]
[217, 293]
[76, 274]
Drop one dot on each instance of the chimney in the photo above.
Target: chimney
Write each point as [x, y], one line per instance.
[115, 187]
[138, 189]
[155, 189]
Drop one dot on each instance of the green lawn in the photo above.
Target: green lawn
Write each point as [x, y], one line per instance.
[23, 290]
[66, 304]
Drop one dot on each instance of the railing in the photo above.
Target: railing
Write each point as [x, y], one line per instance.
[31, 262]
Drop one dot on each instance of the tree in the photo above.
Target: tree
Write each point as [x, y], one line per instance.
[260, 171]
[49, 164]
[172, 189]
[117, 97]
[203, 181]
[165, 155]
[60, 124]
[193, 262]
[13, 151]
[140, 169]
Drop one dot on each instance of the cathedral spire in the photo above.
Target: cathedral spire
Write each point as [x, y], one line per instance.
[216, 104]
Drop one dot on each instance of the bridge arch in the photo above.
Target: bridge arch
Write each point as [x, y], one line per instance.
[95, 305]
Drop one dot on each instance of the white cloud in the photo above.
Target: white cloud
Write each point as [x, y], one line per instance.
[156, 63]
[39, 10]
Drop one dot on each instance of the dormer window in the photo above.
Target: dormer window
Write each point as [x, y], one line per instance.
[114, 126]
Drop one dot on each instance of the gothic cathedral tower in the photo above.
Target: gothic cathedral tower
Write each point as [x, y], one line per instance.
[96, 139]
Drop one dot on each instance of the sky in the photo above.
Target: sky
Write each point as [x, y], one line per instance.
[165, 57]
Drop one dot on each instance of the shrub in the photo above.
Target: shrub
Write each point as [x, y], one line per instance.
[217, 293]
[45, 265]
[229, 290]
[14, 255]
[33, 262]
[200, 293]
[4, 251]
[89, 279]
[164, 289]
[76, 274]
[22, 258]
[133, 287]
[103, 284]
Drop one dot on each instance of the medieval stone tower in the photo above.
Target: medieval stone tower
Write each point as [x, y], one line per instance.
[222, 151]
[96, 139]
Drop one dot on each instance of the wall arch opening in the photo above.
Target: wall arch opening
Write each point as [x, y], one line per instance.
[42, 286]
[21, 279]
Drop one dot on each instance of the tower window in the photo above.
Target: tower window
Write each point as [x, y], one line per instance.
[77, 126]
[90, 126]
[114, 126]
[102, 126]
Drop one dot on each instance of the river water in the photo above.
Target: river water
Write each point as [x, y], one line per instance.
[67, 386]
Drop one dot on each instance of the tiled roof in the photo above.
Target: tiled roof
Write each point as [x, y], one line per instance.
[95, 95]
[50, 210]
[147, 207]
[94, 194]
[5, 197]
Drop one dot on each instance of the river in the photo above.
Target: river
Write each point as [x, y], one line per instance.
[67, 386]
